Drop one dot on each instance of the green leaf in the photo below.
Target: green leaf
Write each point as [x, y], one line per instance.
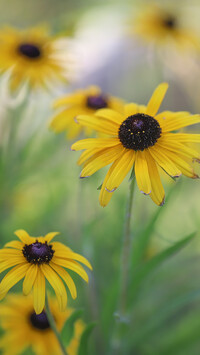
[68, 328]
[155, 262]
[83, 347]
[99, 188]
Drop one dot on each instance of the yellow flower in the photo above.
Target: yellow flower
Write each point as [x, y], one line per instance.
[86, 102]
[160, 25]
[37, 259]
[33, 57]
[139, 137]
[24, 328]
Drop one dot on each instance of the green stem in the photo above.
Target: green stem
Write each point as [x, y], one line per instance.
[121, 319]
[125, 263]
[53, 325]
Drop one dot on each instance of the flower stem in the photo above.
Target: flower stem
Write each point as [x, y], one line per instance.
[125, 262]
[53, 325]
[121, 318]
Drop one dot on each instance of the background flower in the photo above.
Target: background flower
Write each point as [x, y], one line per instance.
[36, 259]
[34, 331]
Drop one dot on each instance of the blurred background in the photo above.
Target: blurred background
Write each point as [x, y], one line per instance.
[40, 186]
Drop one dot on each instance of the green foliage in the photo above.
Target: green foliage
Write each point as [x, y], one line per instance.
[83, 347]
[68, 328]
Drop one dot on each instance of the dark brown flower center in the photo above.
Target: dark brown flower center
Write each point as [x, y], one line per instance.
[39, 321]
[96, 102]
[29, 50]
[139, 132]
[169, 22]
[38, 253]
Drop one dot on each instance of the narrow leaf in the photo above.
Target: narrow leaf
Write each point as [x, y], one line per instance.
[155, 262]
[68, 328]
[83, 347]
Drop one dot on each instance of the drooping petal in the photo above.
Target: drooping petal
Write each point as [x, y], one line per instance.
[175, 147]
[39, 292]
[29, 279]
[66, 277]
[95, 143]
[74, 256]
[6, 264]
[121, 168]
[101, 159]
[142, 173]
[13, 277]
[181, 164]
[72, 265]
[156, 99]
[157, 191]
[56, 283]
[165, 163]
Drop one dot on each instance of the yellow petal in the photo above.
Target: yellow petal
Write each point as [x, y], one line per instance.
[173, 123]
[98, 124]
[87, 154]
[72, 265]
[56, 283]
[13, 276]
[181, 164]
[10, 262]
[29, 279]
[48, 237]
[66, 277]
[156, 99]
[73, 256]
[177, 147]
[110, 115]
[39, 292]
[142, 173]
[14, 244]
[183, 137]
[121, 168]
[95, 143]
[165, 163]
[157, 192]
[101, 159]
[131, 109]
[24, 236]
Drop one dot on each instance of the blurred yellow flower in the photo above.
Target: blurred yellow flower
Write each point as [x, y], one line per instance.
[86, 102]
[160, 25]
[141, 137]
[36, 259]
[24, 328]
[33, 57]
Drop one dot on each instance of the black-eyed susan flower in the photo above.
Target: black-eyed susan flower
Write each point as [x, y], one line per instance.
[33, 57]
[23, 328]
[139, 138]
[161, 25]
[87, 102]
[36, 259]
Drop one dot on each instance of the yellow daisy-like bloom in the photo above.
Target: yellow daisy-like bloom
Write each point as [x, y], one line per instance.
[159, 25]
[33, 56]
[141, 138]
[23, 328]
[37, 259]
[87, 102]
